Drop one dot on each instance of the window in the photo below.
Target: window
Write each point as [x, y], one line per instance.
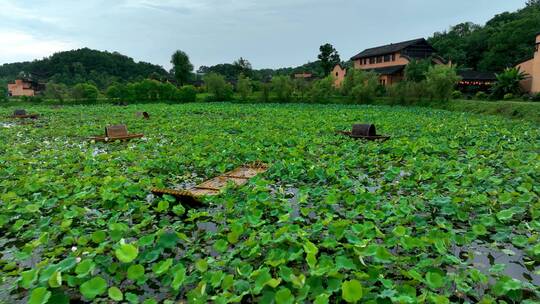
[379, 59]
[393, 57]
[337, 74]
[372, 60]
[387, 58]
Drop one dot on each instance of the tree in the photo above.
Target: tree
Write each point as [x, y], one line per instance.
[322, 90]
[360, 86]
[182, 67]
[217, 86]
[187, 93]
[533, 3]
[504, 41]
[301, 88]
[508, 82]
[441, 80]
[282, 87]
[243, 67]
[416, 70]
[329, 57]
[81, 66]
[3, 93]
[243, 86]
[118, 91]
[85, 91]
[56, 91]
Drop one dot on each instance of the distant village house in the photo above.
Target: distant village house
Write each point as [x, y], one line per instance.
[339, 74]
[532, 68]
[24, 87]
[303, 75]
[389, 61]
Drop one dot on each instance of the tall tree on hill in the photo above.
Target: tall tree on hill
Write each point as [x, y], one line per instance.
[182, 67]
[329, 57]
[243, 66]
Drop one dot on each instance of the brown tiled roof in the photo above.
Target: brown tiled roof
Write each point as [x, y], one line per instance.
[387, 49]
[477, 76]
[388, 70]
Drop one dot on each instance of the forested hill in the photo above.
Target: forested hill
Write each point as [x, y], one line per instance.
[84, 65]
[504, 41]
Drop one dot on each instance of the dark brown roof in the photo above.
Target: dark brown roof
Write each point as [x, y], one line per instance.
[388, 70]
[477, 76]
[388, 49]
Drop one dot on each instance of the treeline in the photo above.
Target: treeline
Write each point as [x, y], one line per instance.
[81, 66]
[147, 90]
[504, 41]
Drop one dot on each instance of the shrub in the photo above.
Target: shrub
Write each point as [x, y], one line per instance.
[57, 91]
[440, 81]
[3, 93]
[360, 86]
[264, 95]
[508, 96]
[85, 91]
[535, 97]
[406, 92]
[508, 82]
[481, 96]
[244, 87]
[117, 91]
[186, 93]
[283, 88]
[216, 85]
[457, 95]
[416, 70]
[33, 99]
[301, 89]
[322, 90]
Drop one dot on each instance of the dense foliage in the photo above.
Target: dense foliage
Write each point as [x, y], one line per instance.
[216, 85]
[182, 67]
[508, 82]
[328, 57]
[410, 220]
[151, 91]
[84, 65]
[504, 41]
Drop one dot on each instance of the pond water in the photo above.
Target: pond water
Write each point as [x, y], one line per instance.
[484, 256]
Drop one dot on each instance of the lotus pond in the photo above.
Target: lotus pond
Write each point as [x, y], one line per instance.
[446, 211]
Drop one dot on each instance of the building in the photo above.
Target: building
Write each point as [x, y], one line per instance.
[474, 81]
[304, 75]
[24, 87]
[339, 73]
[532, 68]
[389, 61]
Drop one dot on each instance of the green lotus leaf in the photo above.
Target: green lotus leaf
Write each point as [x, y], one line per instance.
[351, 291]
[126, 253]
[93, 288]
[39, 295]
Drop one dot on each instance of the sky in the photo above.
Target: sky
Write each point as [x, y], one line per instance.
[269, 33]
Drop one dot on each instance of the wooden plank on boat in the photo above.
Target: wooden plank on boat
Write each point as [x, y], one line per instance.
[216, 185]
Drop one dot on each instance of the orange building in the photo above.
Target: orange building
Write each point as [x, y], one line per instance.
[338, 73]
[532, 68]
[24, 87]
[389, 61]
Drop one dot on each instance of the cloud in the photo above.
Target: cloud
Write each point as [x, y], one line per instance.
[24, 47]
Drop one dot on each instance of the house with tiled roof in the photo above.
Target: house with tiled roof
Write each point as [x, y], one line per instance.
[389, 61]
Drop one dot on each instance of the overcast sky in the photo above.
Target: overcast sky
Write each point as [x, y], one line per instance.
[269, 33]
